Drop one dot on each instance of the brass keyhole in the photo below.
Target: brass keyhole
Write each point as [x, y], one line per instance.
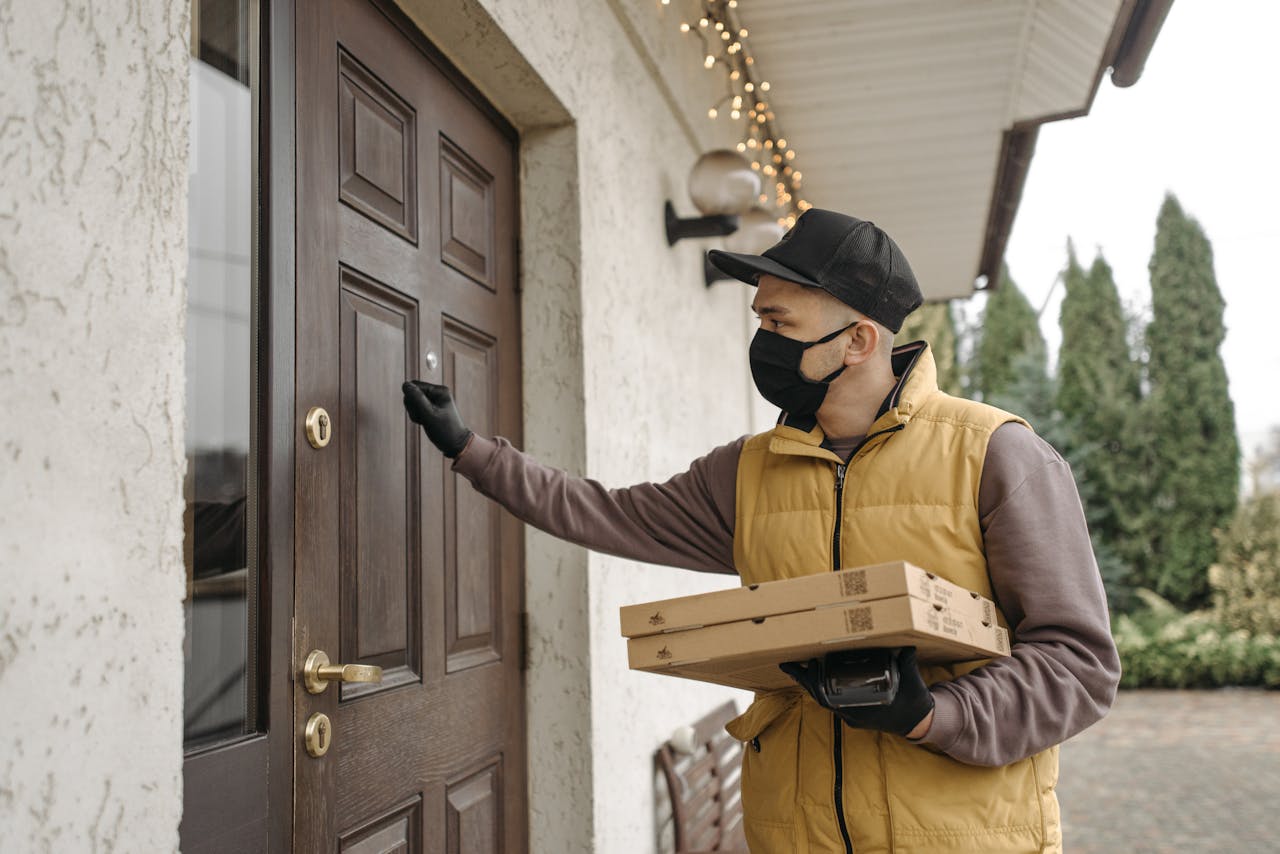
[317, 735]
[319, 428]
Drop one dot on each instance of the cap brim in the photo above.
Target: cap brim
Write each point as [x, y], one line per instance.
[748, 268]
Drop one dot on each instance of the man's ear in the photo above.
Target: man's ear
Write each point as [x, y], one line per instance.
[862, 343]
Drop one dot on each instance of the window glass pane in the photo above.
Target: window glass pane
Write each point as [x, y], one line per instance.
[221, 570]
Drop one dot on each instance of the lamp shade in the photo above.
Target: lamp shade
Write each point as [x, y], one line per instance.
[757, 231]
[722, 182]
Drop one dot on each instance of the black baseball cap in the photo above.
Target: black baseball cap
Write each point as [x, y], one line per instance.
[850, 258]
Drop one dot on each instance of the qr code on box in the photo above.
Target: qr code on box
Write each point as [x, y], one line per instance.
[853, 583]
[858, 620]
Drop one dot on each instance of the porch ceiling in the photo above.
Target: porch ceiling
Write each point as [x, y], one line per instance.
[921, 114]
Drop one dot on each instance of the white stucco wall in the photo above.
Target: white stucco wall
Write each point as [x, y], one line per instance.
[632, 367]
[93, 124]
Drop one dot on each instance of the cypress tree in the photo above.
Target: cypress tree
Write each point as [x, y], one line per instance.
[1193, 450]
[1010, 332]
[934, 322]
[1098, 393]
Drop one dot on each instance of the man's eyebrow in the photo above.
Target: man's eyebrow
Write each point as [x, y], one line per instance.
[769, 309]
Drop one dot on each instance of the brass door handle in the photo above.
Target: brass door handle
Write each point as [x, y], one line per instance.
[317, 672]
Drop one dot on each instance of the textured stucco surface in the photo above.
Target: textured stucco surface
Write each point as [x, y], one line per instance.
[632, 367]
[93, 124]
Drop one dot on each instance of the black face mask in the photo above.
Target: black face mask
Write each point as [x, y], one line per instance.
[775, 366]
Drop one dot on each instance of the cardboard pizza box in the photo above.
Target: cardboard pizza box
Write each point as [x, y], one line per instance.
[746, 653]
[861, 584]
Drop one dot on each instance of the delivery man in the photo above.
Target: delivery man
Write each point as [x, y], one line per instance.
[869, 462]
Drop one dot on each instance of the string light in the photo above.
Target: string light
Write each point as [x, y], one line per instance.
[768, 151]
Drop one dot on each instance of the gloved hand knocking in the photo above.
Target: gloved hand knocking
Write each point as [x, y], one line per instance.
[910, 704]
[432, 406]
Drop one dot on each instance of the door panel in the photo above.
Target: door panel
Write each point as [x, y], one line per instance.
[472, 562]
[406, 247]
[381, 560]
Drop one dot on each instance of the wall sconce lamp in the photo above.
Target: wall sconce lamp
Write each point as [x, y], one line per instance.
[757, 231]
[723, 186]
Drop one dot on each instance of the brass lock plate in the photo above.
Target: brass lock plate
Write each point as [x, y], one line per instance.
[319, 427]
[318, 734]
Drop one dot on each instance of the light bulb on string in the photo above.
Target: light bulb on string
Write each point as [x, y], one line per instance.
[742, 146]
[782, 143]
[712, 113]
[764, 86]
[709, 62]
[791, 155]
[750, 87]
[734, 75]
[684, 27]
[742, 33]
[735, 114]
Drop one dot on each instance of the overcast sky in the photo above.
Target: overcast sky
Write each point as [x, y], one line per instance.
[1204, 123]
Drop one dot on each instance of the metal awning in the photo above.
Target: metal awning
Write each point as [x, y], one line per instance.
[922, 114]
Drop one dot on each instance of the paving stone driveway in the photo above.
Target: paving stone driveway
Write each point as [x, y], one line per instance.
[1176, 771]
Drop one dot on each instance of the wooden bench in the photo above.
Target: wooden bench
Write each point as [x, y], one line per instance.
[702, 767]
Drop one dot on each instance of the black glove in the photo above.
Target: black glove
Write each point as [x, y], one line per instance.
[910, 706]
[432, 406]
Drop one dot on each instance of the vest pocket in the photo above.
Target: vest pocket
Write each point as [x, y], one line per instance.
[771, 731]
[938, 804]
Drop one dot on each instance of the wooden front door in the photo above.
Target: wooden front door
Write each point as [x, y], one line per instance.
[406, 268]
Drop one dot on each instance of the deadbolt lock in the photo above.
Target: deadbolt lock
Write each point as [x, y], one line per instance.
[319, 427]
[318, 734]
[317, 672]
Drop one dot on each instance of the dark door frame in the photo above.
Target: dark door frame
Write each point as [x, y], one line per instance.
[280, 433]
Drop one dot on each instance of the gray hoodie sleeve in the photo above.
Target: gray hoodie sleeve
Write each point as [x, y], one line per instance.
[1064, 669]
[686, 521]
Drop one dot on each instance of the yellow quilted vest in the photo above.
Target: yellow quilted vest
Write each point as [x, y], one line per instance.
[909, 493]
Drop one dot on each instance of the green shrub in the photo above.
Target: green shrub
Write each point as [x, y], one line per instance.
[1245, 582]
[1162, 647]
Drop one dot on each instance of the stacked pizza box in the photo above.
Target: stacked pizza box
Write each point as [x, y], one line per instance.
[738, 637]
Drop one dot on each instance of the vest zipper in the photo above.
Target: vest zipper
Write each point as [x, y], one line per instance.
[837, 741]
